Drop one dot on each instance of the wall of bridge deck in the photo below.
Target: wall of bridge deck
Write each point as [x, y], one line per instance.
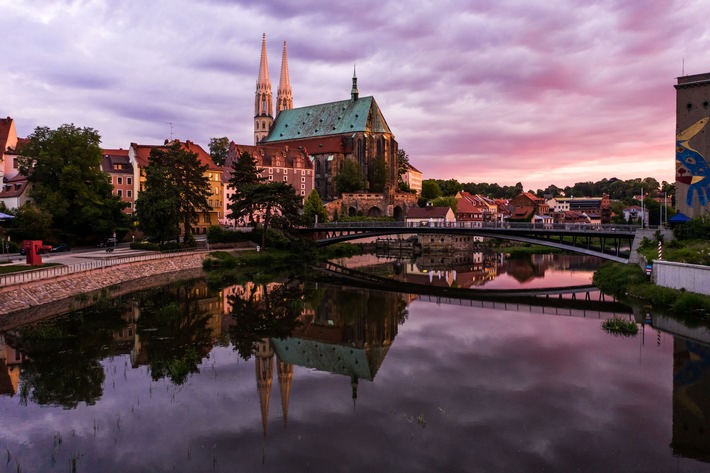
[691, 277]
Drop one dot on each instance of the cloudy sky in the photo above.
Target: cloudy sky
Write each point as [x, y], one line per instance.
[541, 92]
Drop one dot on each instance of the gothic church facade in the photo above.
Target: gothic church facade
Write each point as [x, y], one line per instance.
[329, 133]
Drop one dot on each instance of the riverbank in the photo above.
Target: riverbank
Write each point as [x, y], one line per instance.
[66, 288]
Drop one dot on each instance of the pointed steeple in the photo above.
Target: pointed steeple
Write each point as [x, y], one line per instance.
[284, 98]
[285, 375]
[263, 102]
[264, 375]
[354, 93]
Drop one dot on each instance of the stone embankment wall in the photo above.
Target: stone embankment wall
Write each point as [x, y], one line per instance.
[28, 295]
[691, 277]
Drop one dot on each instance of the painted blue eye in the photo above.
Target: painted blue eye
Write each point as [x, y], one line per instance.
[690, 160]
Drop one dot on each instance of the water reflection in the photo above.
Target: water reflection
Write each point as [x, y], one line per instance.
[482, 269]
[475, 386]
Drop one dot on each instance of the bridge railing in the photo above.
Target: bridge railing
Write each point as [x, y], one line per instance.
[57, 271]
[522, 226]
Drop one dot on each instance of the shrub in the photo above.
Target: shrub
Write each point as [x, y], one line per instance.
[615, 278]
[619, 326]
[688, 302]
[217, 234]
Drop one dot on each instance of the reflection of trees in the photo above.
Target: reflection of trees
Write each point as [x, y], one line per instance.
[264, 311]
[174, 335]
[64, 356]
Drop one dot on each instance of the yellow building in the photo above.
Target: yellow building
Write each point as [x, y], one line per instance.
[139, 157]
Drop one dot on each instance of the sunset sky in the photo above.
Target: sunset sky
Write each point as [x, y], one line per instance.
[541, 92]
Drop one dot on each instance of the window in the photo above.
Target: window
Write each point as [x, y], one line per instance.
[309, 173]
[129, 181]
[285, 178]
[207, 218]
[120, 181]
[129, 193]
[303, 192]
[120, 193]
[271, 170]
[303, 172]
[303, 179]
[271, 178]
[303, 186]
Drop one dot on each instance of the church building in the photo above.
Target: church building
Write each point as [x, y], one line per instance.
[328, 133]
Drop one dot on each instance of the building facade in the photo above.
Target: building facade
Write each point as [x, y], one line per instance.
[278, 164]
[692, 144]
[330, 133]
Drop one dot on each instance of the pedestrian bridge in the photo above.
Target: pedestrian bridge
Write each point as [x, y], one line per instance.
[610, 242]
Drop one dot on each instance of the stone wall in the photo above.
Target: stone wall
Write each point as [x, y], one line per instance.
[66, 288]
[691, 277]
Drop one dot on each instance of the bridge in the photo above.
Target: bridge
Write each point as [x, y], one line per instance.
[543, 300]
[610, 242]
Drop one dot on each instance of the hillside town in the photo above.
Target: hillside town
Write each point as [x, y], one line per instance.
[310, 148]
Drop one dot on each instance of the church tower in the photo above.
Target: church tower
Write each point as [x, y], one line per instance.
[284, 99]
[263, 102]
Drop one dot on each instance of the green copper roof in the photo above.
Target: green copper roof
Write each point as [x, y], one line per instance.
[335, 118]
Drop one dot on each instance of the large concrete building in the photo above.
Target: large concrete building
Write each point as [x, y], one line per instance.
[692, 144]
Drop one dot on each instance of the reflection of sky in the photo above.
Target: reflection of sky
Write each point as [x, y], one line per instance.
[461, 389]
[553, 277]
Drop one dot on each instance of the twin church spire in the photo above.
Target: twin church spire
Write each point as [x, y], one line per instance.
[263, 104]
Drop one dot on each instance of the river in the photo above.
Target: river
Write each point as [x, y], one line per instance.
[315, 377]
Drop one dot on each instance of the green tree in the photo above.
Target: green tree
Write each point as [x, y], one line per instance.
[313, 207]
[349, 179]
[402, 163]
[31, 223]
[219, 148]
[63, 166]
[430, 189]
[245, 176]
[279, 205]
[447, 201]
[377, 175]
[177, 178]
[157, 207]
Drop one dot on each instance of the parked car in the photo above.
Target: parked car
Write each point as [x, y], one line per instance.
[60, 248]
[107, 242]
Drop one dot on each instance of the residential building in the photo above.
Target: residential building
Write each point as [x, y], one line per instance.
[526, 206]
[475, 209]
[139, 158]
[598, 209]
[14, 192]
[429, 216]
[277, 163]
[117, 164]
[413, 179]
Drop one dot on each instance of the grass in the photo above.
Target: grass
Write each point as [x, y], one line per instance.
[629, 280]
[620, 326]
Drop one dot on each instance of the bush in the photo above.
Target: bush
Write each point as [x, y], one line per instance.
[615, 278]
[688, 302]
[219, 259]
[144, 245]
[619, 326]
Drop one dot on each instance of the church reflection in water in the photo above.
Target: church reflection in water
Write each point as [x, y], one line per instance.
[334, 329]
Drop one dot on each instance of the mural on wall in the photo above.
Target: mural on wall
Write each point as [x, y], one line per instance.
[691, 167]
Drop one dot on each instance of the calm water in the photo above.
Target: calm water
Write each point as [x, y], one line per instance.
[193, 378]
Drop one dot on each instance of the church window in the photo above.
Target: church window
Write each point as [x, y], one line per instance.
[257, 125]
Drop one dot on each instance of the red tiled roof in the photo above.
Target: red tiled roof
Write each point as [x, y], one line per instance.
[427, 212]
[142, 153]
